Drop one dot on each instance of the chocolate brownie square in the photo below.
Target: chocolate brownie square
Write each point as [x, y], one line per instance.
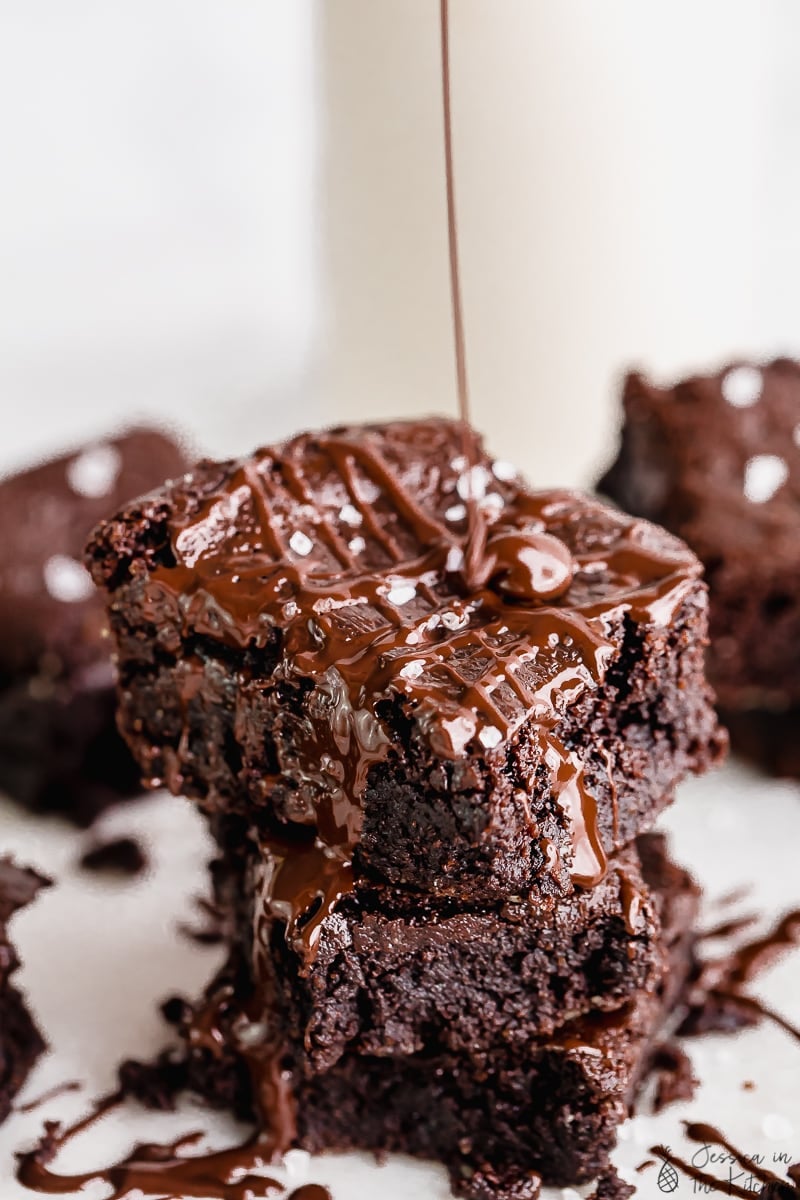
[496, 1096]
[20, 1040]
[716, 459]
[300, 641]
[59, 747]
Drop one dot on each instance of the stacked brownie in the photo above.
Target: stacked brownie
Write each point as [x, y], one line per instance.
[20, 1040]
[716, 459]
[430, 715]
[59, 748]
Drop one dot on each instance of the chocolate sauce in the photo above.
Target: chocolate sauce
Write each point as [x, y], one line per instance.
[310, 1191]
[154, 1170]
[717, 997]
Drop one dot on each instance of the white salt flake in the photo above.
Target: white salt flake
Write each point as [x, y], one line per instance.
[356, 545]
[455, 559]
[413, 669]
[401, 593]
[472, 484]
[742, 386]
[301, 543]
[777, 1127]
[456, 512]
[95, 471]
[504, 471]
[492, 504]
[764, 474]
[66, 579]
[296, 1163]
[453, 620]
[490, 737]
[350, 515]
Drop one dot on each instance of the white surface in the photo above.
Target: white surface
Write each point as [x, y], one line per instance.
[98, 957]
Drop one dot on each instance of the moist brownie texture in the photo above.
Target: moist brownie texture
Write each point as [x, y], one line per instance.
[59, 748]
[394, 973]
[300, 641]
[716, 459]
[495, 1097]
[20, 1041]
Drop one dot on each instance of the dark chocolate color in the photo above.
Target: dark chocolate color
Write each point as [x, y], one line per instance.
[394, 974]
[20, 1040]
[59, 748]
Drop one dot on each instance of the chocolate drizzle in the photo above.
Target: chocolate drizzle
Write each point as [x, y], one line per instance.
[717, 996]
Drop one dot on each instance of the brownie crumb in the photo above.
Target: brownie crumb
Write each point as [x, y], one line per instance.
[611, 1187]
[120, 856]
[675, 1079]
[154, 1084]
[748, 1085]
[486, 1184]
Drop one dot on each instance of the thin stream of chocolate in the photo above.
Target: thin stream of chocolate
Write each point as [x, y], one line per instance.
[60, 1089]
[475, 542]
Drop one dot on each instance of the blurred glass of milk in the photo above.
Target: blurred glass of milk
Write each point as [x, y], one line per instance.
[157, 249]
[626, 192]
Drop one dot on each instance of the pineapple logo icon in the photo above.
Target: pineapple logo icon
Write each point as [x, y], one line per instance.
[667, 1180]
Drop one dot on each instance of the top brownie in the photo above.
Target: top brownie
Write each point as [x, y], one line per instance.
[717, 460]
[302, 643]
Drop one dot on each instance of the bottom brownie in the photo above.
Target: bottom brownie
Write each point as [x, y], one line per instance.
[20, 1041]
[495, 1113]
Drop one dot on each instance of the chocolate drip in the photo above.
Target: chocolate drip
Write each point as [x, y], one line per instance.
[310, 1191]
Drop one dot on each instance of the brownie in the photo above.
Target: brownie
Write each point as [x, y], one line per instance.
[494, 1100]
[716, 459]
[20, 1040]
[59, 747]
[301, 641]
[392, 972]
